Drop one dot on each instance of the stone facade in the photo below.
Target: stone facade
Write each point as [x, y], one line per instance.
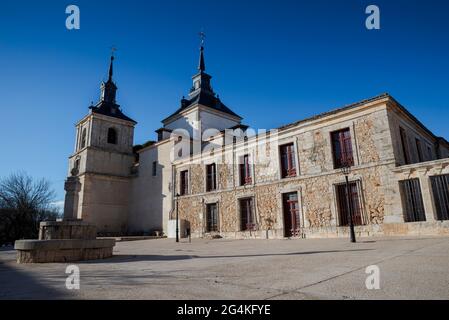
[103, 171]
[375, 157]
[124, 196]
[317, 204]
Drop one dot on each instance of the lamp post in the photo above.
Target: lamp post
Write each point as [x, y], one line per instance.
[346, 170]
[177, 219]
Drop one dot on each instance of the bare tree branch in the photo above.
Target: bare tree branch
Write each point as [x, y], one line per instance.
[24, 202]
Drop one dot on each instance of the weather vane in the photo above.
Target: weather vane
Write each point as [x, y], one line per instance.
[113, 50]
[202, 37]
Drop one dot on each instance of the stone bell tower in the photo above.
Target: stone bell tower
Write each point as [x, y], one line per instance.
[98, 186]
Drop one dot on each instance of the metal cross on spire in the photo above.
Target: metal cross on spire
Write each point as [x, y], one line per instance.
[113, 50]
[202, 37]
[202, 65]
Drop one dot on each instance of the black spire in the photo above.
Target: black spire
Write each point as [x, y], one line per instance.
[201, 81]
[107, 104]
[109, 89]
[202, 93]
[202, 65]
[111, 71]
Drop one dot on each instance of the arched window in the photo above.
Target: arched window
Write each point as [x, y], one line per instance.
[76, 167]
[112, 136]
[83, 138]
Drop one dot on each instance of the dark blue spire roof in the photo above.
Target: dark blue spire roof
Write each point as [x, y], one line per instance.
[202, 92]
[107, 105]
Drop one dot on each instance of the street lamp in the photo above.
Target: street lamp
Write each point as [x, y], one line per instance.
[346, 170]
[177, 219]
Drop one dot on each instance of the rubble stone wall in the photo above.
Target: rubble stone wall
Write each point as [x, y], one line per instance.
[374, 138]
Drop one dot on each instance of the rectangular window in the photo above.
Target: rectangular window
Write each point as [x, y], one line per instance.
[77, 166]
[429, 153]
[184, 180]
[404, 145]
[342, 148]
[211, 177]
[247, 214]
[154, 169]
[419, 150]
[211, 217]
[353, 205]
[412, 202]
[440, 190]
[288, 163]
[83, 138]
[245, 171]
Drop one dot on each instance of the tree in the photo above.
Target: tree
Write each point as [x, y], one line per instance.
[24, 203]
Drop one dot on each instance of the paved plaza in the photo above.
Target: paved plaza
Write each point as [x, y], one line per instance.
[410, 268]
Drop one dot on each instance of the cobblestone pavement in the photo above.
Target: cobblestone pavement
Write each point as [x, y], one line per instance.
[410, 268]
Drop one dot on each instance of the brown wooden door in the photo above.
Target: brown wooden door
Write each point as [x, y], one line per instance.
[291, 215]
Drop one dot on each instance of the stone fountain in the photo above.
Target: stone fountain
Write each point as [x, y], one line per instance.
[65, 240]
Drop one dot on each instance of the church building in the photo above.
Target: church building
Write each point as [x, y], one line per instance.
[224, 179]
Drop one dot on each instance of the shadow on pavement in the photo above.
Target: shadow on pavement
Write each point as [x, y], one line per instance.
[138, 258]
[16, 284]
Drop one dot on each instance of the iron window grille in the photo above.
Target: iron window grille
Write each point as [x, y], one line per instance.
[211, 217]
[440, 190]
[412, 200]
[355, 204]
[247, 220]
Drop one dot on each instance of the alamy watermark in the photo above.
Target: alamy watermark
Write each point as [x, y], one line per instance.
[72, 22]
[227, 147]
[373, 20]
[372, 282]
[72, 282]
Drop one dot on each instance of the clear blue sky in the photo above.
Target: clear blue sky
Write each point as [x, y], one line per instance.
[273, 62]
